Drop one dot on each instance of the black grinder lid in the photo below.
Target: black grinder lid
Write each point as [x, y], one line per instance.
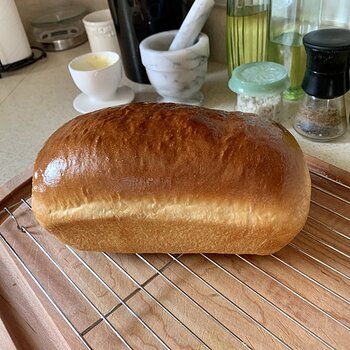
[328, 62]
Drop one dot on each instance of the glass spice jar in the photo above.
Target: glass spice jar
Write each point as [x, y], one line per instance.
[259, 87]
[322, 115]
[321, 119]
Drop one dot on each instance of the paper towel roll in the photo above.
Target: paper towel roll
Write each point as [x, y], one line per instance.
[14, 44]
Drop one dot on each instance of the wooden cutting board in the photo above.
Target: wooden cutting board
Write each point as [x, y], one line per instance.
[52, 297]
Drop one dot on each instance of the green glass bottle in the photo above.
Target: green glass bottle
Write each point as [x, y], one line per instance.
[290, 20]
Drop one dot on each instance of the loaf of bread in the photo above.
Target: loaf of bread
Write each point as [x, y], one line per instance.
[168, 178]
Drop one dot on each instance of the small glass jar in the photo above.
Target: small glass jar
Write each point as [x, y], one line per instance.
[321, 119]
[259, 87]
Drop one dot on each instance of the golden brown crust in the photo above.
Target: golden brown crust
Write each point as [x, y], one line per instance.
[171, 178]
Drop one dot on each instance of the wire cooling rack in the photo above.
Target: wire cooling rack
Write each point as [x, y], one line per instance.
[296, 298]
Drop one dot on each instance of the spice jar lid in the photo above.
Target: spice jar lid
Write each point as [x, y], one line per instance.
[328, 61]
[259, 79]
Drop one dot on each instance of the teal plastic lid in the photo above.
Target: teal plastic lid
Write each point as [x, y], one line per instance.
[259, 79]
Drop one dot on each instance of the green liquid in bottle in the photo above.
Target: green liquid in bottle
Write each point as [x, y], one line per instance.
[246, 36]
[288, 49]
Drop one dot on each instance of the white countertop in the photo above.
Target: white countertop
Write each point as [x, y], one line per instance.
[38, 99]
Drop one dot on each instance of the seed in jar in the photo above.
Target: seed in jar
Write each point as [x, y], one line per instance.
[265, 106]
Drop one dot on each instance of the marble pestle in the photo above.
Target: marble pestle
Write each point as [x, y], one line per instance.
[192, 24]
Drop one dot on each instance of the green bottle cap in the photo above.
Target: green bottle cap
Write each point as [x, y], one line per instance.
[259, 79]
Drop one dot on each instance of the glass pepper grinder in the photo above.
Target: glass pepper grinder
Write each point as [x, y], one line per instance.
[322, 115]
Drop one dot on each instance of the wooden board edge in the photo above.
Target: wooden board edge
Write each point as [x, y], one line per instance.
[34, 310]
[12, 191]
[6, 336]
[328, 171]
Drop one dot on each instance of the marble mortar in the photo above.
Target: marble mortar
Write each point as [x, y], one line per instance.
[176, 75]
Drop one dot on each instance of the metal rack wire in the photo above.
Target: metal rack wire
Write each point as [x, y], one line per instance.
[185, 264]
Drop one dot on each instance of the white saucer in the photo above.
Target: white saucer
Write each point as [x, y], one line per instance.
[84, 104]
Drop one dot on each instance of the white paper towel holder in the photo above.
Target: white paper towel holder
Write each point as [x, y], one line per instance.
[37, 54]
[15, 50]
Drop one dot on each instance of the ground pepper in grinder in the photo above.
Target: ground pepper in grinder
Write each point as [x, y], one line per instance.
[322, 116]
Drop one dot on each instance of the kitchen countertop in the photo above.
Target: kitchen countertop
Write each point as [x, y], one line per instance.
[36, 100]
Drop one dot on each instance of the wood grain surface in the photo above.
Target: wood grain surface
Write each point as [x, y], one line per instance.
[297, 298]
